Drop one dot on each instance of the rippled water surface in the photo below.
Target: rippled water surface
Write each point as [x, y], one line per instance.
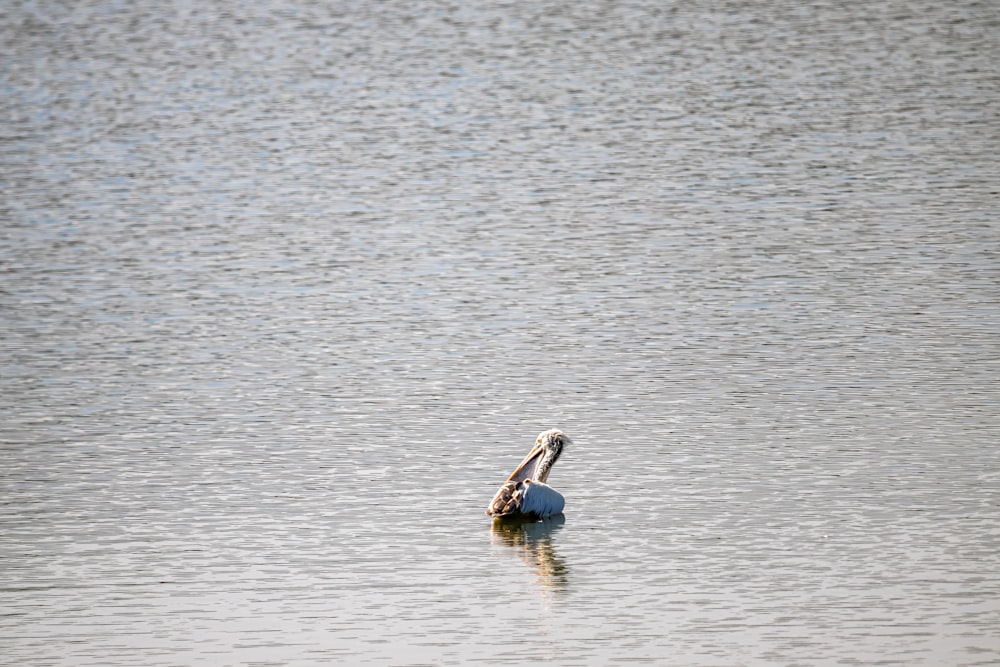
[287, 289]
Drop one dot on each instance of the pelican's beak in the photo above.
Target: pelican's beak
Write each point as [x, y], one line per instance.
[526, 469]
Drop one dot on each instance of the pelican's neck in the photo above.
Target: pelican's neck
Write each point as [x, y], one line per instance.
[545, 465]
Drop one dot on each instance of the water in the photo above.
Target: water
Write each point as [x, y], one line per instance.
[287, 291]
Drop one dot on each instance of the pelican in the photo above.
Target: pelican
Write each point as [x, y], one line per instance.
[525, 492]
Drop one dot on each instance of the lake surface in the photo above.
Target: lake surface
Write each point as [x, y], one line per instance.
[288, 289]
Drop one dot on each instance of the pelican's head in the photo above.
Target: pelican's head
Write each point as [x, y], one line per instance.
[543, 455]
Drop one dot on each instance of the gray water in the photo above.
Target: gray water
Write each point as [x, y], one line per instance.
[287, 289]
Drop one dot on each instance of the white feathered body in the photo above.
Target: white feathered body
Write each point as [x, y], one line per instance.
[526, 497]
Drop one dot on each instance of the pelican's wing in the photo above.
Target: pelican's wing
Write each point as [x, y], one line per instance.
[506, 501]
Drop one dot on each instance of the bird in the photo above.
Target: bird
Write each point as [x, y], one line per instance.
[525, 493]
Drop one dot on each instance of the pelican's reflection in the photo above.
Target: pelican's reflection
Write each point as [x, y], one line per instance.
[532, 541]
